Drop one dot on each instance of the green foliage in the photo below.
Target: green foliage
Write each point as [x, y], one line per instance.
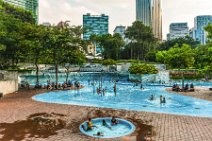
[177, 57]
[108, 62]
[142, 41]
[180, 41]
[143, 69]
[111, 45]
[209, 30]
[203, 56]
[16, 12]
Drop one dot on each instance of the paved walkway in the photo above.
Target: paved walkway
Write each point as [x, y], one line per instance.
[166, 127]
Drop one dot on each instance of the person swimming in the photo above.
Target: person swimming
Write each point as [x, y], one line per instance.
[90, 124]
[114, 121]
[151, 97]
[99, 134]
[104, 123]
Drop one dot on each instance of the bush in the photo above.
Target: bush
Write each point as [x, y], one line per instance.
[143, 69]
[108, 62]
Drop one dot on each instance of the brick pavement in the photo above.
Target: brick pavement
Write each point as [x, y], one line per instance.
[167, 127]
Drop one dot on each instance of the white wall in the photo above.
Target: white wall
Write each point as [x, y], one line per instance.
[8, 86]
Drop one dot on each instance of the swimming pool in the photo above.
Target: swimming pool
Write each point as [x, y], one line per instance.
[123, 128]
[130, 97]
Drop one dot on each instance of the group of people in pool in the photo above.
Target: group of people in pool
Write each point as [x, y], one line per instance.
[185, 88]
[62, 86]
[90, 125]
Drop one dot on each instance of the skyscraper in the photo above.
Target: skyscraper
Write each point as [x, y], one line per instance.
[30, 5]
[150, 13]
[144, 11]
[121, 30]
[177, 30]
[95, 24]
[199, 23]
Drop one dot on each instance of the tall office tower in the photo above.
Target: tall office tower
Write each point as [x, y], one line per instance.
[121, 30]
[177, 30]
[150, 13]
[95, 24]
[30, 5]
[199, 23]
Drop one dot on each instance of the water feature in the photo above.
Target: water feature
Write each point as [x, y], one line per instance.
[123, 128]
[130, 97]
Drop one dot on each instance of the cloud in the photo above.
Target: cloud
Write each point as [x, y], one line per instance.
[121, 12]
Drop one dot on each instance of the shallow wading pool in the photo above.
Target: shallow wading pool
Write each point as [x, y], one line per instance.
[123, 128]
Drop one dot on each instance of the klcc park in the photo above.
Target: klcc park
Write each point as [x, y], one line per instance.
[124, 70]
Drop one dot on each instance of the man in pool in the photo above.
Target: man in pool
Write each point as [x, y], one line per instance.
[104, 123]
[114, 121]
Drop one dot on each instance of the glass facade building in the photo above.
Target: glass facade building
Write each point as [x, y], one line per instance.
[30, 5]
[121, 30]
[95, 24]
[150, 13]
[178, 30]
[199, 23]
[144, 11]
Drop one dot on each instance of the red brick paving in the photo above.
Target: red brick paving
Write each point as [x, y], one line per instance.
[19, 106]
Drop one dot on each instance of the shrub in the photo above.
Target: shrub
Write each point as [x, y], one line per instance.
[143, 69]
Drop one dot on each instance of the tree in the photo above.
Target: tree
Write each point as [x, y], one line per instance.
[142, 40]
[72, 53]
[177, 57]
[203, 56]
[180, 41]
[12, 39]
[34, 43]
[17, 12]
[143, 69]
[72, 57]
[209, 30]
[111, 44]
[12, 22]
[61, 41]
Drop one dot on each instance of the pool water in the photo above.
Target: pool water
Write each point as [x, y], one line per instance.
[123, 128]
[130, 97]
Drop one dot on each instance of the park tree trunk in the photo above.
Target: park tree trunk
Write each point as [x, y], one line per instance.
[37, 73]
[67, 73]
[56, 74]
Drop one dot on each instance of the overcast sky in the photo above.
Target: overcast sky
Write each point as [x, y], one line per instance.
[121, 12]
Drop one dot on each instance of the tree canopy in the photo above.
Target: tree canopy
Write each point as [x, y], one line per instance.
[142, 40]
[177, 56]
[143, 69]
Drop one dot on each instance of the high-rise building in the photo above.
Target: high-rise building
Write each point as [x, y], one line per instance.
[121, 30]
[95, 24]
[150, 13]
[199, 23]
[30, 5]
[144, 11]
[177, 30]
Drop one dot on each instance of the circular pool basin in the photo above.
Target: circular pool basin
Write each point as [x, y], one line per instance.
[123, 128]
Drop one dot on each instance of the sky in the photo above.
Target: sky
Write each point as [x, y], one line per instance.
[121, 12]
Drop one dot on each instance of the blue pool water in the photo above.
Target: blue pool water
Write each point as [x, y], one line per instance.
[130, 97]
[112, 131]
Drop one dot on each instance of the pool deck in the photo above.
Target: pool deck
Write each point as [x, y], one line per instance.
[18, 106]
